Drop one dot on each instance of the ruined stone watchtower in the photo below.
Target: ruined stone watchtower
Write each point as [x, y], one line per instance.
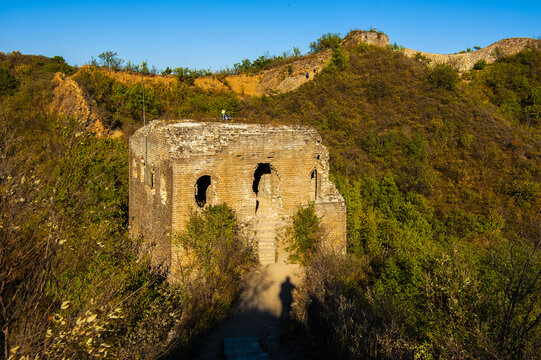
[263, 172]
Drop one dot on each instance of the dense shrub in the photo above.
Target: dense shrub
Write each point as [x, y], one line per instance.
[511, 82]
[7, 82]
[339, 59]
[188, 76]
[480, 65]
[412, 292]
[305, 235]
[213, 237]
[58, 64]
[444, 76]
[122, 103]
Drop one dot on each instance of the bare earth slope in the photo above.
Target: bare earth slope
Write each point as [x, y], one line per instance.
[71, 100]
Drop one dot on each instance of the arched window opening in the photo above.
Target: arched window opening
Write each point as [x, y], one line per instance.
[201, 189]
[152, 179]
[262, 168]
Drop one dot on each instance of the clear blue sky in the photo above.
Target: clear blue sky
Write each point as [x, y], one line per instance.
[216, 34]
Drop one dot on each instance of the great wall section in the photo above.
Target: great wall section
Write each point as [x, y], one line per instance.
[72, 100]
[191, 165]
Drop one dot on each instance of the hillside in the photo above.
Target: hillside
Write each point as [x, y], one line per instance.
[73, 100]
[442, 184]
[440, 169]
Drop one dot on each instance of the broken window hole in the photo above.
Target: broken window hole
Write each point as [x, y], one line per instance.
[262, 168]
[315, 184]
[202, 186]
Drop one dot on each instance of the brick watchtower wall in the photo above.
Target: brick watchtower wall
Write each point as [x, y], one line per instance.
[264, 173]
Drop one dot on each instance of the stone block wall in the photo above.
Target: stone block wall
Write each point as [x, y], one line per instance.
[264, 173]
[150, 202]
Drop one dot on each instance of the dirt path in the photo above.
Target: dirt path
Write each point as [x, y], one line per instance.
[265, 300]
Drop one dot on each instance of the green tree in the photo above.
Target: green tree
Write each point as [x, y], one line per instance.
[167, 71]
[144, 67]
[110, 59]
[327, 41]
[131, 67]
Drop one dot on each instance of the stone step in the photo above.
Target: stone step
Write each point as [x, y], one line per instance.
[265, 231]
[267, 253]
[266, 237]
[266, 234]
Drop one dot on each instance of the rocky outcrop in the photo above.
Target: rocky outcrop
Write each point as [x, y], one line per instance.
[356, 37]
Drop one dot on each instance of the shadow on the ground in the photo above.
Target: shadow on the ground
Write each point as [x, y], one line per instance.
[278, 336]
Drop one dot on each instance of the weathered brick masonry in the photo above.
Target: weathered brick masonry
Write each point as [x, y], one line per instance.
[263, 172]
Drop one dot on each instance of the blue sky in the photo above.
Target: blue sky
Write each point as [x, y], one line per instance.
[216, 34]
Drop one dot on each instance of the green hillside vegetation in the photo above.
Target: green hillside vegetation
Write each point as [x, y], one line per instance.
[72, 282]
[441, 173]
[443, 191]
